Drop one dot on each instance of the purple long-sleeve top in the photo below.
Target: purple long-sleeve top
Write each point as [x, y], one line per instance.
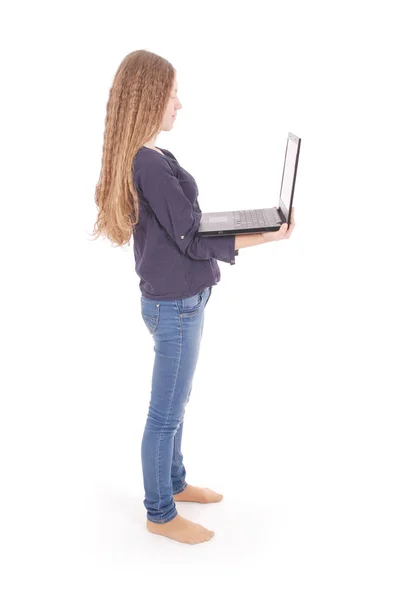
[171, 259]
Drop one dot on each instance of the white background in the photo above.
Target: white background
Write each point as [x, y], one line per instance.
[294, 414]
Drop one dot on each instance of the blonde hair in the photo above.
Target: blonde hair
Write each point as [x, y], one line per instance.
[135, 109]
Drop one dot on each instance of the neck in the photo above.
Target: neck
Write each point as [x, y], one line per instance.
[151, 143]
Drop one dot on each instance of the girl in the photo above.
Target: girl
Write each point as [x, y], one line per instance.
[144, 191]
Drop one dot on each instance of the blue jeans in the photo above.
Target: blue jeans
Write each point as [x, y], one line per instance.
[176, 327]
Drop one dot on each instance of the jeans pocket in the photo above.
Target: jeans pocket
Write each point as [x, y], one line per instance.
[190, 306]
[150, 310]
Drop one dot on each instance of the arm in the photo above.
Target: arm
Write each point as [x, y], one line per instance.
[176, 214]
[250, 239]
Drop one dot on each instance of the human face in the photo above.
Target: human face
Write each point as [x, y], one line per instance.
[172, 109]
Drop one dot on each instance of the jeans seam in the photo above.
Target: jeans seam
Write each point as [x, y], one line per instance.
[165, 520]
[182, 489]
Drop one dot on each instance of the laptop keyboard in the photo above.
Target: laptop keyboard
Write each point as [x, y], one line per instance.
[250, 218]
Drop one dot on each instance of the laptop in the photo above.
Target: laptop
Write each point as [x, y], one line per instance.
[259, 219]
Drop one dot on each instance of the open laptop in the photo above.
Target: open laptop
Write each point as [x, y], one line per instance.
[262, 219]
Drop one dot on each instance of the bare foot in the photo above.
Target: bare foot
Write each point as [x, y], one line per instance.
[181, 530]
[197, 494]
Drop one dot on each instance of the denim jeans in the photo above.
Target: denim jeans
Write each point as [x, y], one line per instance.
[176, 327]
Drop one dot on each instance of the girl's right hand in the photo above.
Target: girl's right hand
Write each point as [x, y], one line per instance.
[282, 234]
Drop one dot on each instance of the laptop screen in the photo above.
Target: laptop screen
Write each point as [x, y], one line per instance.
[289, 173]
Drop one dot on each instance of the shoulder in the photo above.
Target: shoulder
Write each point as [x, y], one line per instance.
[145, 157]
[169, 154]
[151, 166]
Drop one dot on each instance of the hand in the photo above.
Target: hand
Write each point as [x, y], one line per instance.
[282, 234]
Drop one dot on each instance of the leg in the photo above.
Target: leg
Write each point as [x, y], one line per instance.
[178, 472]
[176, 330]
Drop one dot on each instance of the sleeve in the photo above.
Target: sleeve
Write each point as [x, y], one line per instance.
[176, 214]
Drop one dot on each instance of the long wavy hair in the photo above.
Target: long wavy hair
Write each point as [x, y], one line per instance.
[135, 109]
